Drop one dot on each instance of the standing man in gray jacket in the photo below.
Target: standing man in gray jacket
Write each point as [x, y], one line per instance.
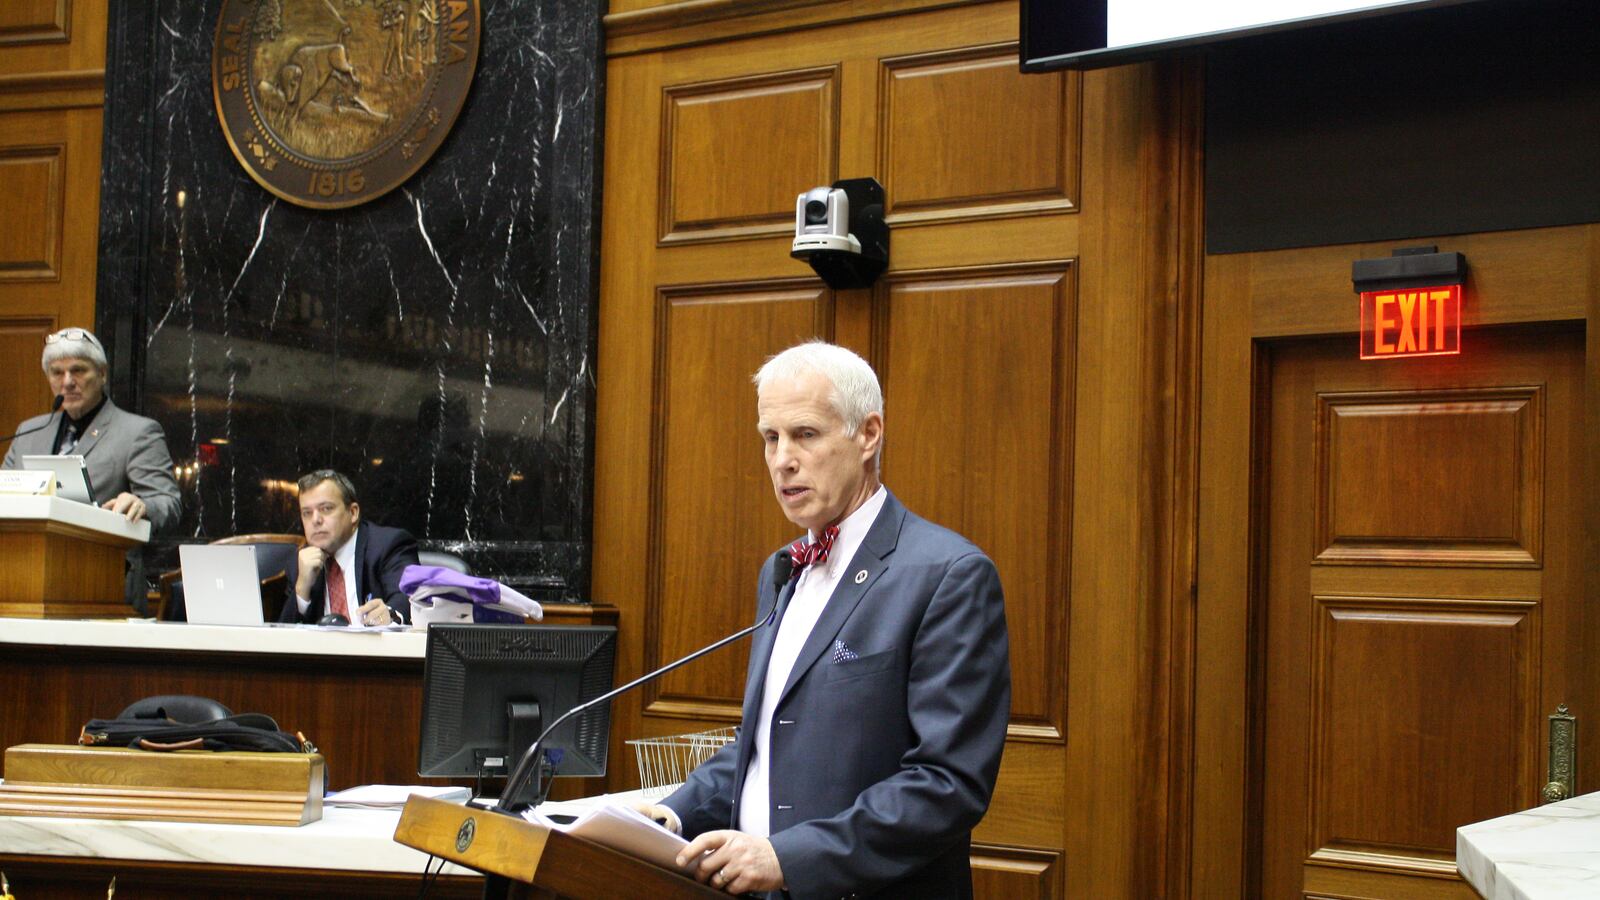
[130, 468]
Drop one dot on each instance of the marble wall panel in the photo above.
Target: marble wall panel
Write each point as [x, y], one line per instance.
[435, 344]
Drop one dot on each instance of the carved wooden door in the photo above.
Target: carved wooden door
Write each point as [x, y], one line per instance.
[1420, 603]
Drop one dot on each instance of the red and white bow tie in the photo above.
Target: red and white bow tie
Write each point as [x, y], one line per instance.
[802, 554]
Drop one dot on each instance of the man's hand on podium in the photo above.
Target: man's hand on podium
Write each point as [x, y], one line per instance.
[663, 815]
[126, 504]
[733, 861]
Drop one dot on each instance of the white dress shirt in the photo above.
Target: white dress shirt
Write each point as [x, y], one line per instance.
[806, 604]
[346, 557]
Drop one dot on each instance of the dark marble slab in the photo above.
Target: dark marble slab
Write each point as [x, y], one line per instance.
[435, 344]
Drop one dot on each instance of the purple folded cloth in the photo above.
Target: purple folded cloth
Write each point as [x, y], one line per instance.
[465, 587]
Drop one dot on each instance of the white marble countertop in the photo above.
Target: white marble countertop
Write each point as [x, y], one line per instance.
[1550, 852]
[346, 839]
[143, 634]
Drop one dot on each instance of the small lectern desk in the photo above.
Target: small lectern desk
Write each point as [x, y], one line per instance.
[63, 560]
[523, 859]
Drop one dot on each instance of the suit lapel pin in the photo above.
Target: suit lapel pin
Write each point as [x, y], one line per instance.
[861, 576]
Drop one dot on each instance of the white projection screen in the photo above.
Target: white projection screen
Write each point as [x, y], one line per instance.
[1093, 33]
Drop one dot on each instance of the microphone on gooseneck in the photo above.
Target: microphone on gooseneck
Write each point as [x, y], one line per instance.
[528, 766]
[782, 572]
[54, 408]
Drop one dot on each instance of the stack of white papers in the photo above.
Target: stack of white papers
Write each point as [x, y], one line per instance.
[393, 796]
[621, 828]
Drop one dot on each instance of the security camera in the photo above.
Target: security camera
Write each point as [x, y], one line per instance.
[822, 222]
[840, 232]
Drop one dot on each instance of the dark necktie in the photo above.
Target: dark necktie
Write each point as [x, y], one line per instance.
[70, 439]
[336, 601]
[802, 554]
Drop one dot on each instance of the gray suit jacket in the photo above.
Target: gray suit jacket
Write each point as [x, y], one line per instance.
[881, 763]
[124, 452]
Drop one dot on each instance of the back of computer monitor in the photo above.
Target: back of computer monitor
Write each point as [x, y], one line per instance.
[476, 674]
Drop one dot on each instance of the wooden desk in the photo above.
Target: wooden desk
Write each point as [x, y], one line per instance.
[358, 697]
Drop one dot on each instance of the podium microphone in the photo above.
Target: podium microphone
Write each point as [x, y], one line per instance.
[530, 766]
[54, 408]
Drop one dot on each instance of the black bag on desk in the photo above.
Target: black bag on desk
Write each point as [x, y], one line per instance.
[245, 731]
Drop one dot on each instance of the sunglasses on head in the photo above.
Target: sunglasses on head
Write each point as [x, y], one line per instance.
[72, 334]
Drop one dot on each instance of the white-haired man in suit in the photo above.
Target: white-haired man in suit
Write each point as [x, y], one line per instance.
[130, 468]
[875, 709]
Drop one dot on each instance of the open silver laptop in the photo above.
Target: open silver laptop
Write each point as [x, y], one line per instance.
[72, 475]
[220, 584]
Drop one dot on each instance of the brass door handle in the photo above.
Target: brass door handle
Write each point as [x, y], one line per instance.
[1563, 780]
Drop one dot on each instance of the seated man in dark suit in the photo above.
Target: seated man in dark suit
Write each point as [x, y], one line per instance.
[875, 709]
[360, 561]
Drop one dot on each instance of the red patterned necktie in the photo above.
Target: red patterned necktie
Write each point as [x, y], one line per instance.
[802, 554]
[336, 601]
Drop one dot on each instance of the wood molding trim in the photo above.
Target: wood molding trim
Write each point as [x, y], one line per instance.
[53, 90]
[690, 12]
[691, 22]
[67, 80]
[1188, 120]
[1000, 871]
[683, 709]
[57, 30]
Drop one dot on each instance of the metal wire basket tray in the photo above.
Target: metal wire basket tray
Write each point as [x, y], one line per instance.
[664, 762]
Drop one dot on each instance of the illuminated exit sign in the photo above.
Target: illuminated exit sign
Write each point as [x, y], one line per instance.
[1402, 322]
[1410, 303]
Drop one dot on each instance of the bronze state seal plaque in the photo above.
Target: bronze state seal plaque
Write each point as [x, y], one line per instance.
[330, 103]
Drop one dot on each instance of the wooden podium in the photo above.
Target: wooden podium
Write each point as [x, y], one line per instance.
[533, 860]
[63, 560]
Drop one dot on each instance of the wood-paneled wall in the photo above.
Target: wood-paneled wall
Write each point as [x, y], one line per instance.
[52, 90]
[1029, 333]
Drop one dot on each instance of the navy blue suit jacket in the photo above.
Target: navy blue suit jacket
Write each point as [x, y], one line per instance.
[382, 554]
[881, 764]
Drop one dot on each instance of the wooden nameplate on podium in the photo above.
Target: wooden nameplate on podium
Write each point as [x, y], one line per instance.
[64, 560]
[530, 854]
[231, 787]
